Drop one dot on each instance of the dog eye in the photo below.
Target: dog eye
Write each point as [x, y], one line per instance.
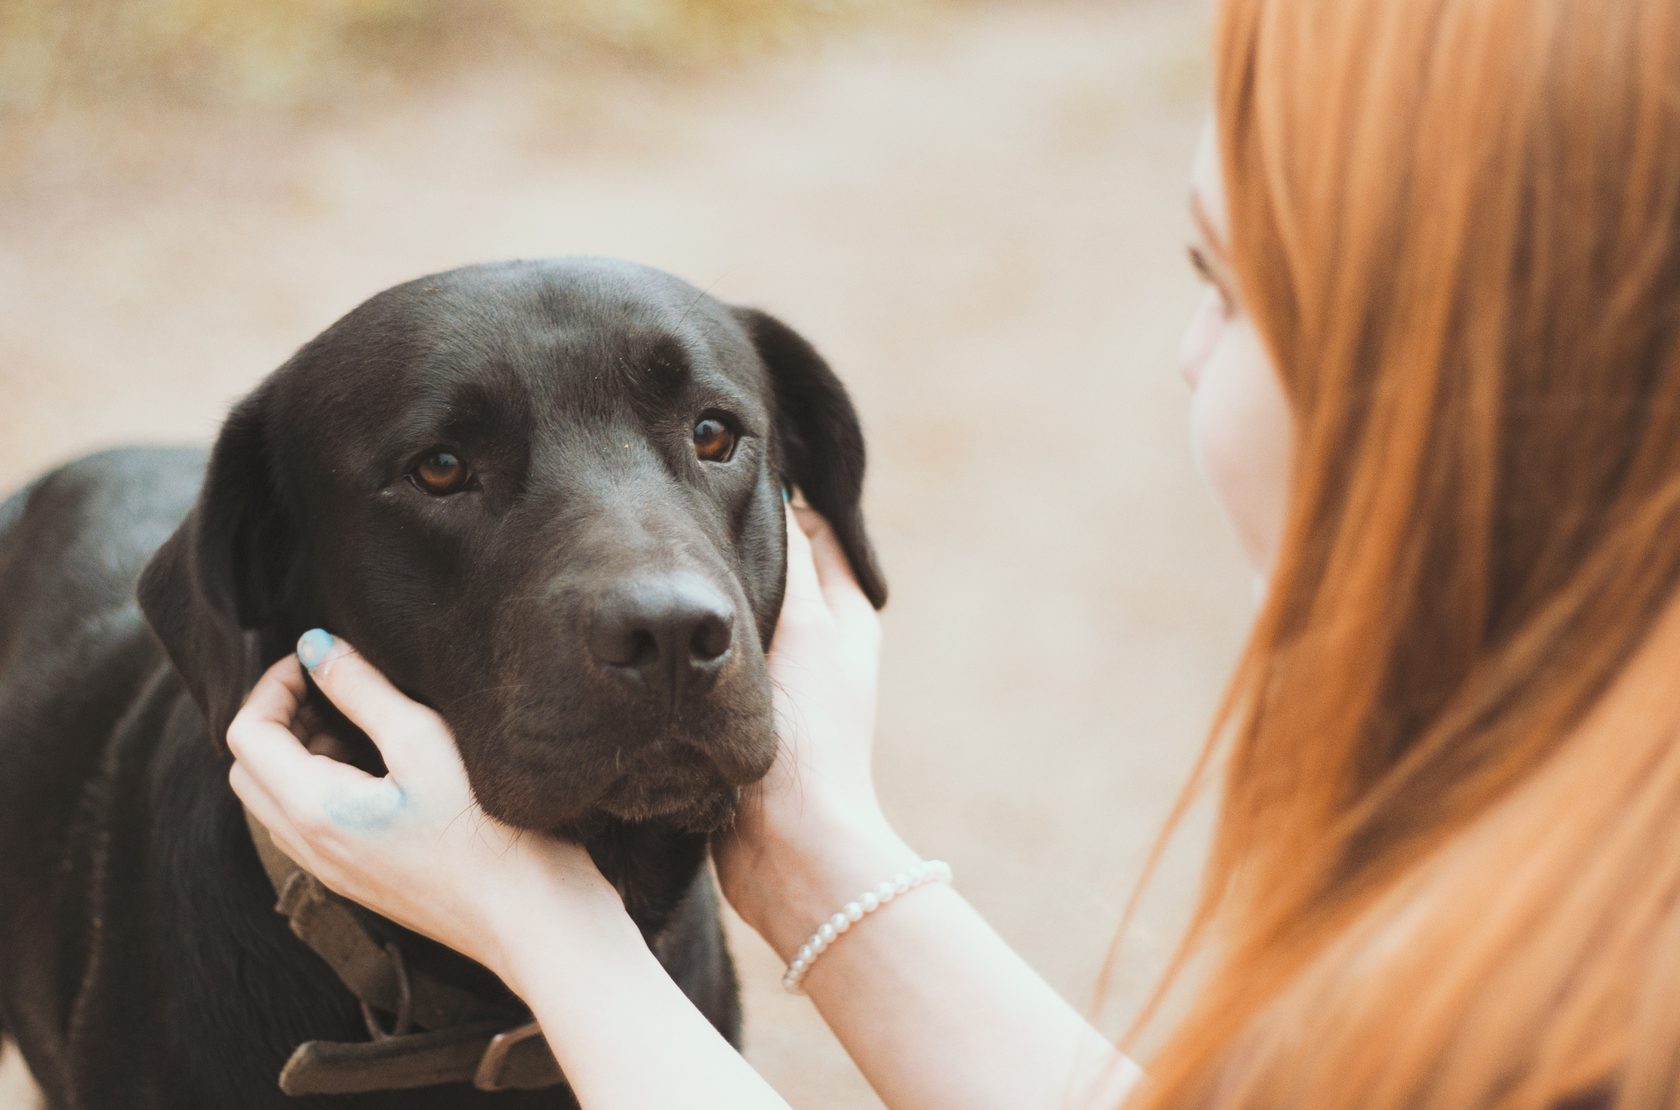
[442, 472]
[713, 440]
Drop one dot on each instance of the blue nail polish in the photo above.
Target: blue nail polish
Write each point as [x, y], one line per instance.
[787, 494]
[312, 647]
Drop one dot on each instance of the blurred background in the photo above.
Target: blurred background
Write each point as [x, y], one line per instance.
[976, 210]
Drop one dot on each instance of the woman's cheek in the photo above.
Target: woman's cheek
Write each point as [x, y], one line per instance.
[1201, 337]
[1242, 435]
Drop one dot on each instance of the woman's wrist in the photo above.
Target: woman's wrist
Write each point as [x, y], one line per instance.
[803, 867]
[524, 918]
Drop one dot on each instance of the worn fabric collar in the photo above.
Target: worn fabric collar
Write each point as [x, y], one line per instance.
[436, 1032]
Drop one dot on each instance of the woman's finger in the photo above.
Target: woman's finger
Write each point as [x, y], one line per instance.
[263, 806]
[277, 696]
[388, 716]
[261, 739]
[833, 570]
[803, 585]
[260, 734]
[295, 778]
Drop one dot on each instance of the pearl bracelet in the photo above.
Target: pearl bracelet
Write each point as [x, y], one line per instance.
[928, 871]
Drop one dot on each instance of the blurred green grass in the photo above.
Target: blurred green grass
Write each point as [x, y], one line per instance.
[290, 53]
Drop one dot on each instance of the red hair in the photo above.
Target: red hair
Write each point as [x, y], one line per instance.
[1446, 871]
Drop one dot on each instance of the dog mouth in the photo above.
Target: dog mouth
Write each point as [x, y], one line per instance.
[554, 772]
[676, 785]
[685, 806]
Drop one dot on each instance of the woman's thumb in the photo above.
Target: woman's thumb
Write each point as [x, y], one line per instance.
[359, 690]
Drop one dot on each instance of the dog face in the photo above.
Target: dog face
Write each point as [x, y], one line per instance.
[546, 499]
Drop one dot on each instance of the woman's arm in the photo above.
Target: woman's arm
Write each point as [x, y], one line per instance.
[533, 909]
[933, 1006]
[623, 1032]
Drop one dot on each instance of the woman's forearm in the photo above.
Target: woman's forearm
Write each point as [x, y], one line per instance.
[623, 1033]
[933, 1006]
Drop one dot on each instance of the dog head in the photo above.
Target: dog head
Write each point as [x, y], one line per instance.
[544, 498]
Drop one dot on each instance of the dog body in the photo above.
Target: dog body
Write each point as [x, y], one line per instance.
[544, 498]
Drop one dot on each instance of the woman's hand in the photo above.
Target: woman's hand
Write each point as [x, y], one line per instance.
[413, 845]
[825, 663]
[814, 826]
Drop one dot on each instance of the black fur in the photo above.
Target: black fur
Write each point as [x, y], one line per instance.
[141, 962]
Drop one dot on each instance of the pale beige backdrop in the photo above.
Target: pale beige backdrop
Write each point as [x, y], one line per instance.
[977, 213]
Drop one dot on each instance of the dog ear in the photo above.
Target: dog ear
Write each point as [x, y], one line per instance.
[820, 439]
[212, 582]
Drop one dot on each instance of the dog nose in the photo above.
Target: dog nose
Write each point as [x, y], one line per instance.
[669, 634]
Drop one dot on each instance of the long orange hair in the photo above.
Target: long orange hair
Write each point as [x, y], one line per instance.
[1446, 871]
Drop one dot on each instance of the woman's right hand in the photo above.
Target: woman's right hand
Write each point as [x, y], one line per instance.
[813, 825]
[921, 996]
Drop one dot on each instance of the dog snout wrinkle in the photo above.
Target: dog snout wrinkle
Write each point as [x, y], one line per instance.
[668, 635]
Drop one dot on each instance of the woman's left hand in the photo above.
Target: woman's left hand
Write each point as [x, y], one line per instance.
[413, 845]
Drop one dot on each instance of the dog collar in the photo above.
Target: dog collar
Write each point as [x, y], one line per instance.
[437, 1032]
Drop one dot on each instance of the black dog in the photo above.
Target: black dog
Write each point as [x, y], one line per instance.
[544, 498]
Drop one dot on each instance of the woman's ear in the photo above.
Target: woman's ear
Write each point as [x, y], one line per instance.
[214, 581]
[819, 442]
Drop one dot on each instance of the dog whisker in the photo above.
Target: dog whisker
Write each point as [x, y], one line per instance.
[704, 292]
[481, 691]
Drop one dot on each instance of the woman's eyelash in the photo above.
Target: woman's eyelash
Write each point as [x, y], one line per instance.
[1199, 263]
[1196, 262]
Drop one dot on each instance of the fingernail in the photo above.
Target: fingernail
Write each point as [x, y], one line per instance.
[313, 646]
[787, 495]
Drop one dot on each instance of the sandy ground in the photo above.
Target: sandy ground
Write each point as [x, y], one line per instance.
[979, 219]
